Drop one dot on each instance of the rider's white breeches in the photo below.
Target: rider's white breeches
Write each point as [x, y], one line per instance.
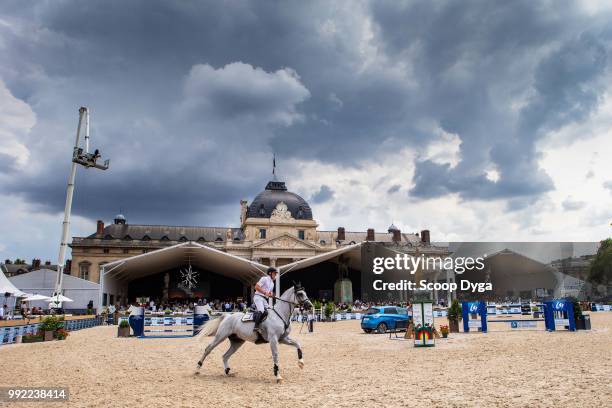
[260, 303]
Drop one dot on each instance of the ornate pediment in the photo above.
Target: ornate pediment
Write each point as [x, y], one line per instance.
[281, 213]
[285, 241]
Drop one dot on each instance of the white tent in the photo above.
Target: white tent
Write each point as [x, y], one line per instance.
[8, 292]
[115, 276]
[353, 252]
[42, 282]
[6, 286]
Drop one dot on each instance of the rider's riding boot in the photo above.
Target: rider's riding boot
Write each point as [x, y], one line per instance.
[258, 316]
[257, 328]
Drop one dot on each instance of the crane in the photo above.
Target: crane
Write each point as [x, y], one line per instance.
[80, 156]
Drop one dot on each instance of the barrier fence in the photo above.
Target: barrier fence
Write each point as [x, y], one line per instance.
[9, 334]
[161, 325]
[558, 314]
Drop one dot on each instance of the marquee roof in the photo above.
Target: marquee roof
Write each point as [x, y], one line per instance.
[353, 252]
[6, 286]
[193, 253]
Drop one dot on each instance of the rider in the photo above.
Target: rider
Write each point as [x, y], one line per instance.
[263, 289]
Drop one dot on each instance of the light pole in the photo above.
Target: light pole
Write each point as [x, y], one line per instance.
[81, 157]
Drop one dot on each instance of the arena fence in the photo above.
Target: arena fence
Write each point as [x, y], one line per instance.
[9, 334]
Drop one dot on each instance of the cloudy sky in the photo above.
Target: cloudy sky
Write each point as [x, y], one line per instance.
[479, 120]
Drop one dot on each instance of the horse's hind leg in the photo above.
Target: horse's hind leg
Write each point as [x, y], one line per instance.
[216, 341]
[291, 342]
[235, 344]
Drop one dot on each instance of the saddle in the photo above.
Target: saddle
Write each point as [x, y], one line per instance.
[254, 316]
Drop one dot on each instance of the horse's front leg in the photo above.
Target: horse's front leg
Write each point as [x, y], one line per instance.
[291, 342]
[274, 348]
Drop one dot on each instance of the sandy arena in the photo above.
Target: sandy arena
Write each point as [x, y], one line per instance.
[344, 368]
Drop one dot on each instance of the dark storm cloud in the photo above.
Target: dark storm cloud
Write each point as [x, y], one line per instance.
[324, 194]
[7, 164]
[190, 99]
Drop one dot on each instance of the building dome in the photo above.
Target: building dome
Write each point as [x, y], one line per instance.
[392, 228]
[276, 191]
[120, 219]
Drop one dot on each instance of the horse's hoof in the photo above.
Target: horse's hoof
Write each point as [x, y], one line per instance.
[227, 372]
[279, 380]
[301, 363]
[199, 365]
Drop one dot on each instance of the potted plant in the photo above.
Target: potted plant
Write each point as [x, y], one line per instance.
[124, 329]
[61, 334]
[454, 316]
[49, 325]
[444, 331]
[583, 322]
[329, 310]
[32, 338]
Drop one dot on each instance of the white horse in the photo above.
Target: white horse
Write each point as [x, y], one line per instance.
[274, 330]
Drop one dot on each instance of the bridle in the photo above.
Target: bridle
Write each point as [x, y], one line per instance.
[293, 305]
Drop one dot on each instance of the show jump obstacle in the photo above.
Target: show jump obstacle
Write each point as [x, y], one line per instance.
[423, 318]
[557, 313]
[174, 326]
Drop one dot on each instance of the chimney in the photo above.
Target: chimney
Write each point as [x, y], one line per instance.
[341, 235]
[100, 228]
[68, 266]
[425, 237]
[397, 235]
[370, 236]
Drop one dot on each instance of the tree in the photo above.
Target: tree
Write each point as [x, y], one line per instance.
[601, 266]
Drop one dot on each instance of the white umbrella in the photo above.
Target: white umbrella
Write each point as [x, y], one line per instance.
[31, 298]
[59, 298]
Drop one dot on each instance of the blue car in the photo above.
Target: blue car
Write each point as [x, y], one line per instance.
[382, 318]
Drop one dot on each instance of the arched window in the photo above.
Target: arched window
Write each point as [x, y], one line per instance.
[262, 211]
[183, 239]
[201, 239]
[219, 237]
[108, 236]
[300, 213]
[127, 238]
[164, 238]
[322, 242]
[146, 238]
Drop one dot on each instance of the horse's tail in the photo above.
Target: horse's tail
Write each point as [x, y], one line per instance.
[211, 326]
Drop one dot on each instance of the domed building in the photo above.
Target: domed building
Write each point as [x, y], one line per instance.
[280, 226]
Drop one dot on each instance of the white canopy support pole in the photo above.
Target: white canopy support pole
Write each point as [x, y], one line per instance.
[67, 211]
[101, 295]
[448, 292]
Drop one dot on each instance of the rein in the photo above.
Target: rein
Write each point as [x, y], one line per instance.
[293, 304]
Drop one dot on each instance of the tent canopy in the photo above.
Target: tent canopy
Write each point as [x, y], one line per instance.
[202, 256]
[6, 286]
[353, 252]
